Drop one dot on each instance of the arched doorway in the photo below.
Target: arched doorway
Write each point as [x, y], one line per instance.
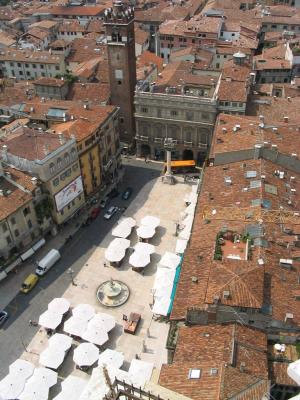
[145, 150]
[187, 154]
[201, 157]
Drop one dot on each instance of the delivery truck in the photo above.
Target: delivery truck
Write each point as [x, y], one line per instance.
[47, 262]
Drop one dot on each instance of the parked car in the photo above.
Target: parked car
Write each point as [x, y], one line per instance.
[29, 283]
[47, 262]
[104, 202]
[127, 193]
[3, 317]
[94, 213]
[114, 193]
[110, 212]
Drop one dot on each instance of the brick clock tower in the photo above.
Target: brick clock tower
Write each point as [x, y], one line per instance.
[119, 23]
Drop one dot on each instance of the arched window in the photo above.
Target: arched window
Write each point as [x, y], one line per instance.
[73, 153]
[67, 158]
[173, 132]
[52, 168]
[159, 131]
[59, 162]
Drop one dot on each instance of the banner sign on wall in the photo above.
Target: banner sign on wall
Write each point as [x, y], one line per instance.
[68, 193]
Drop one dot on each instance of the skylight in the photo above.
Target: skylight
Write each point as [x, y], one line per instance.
[194, 373]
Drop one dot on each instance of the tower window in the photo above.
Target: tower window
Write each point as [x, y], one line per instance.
[119, 74]
[119, 82]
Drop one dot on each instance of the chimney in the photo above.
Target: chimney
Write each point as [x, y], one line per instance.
[61, 138]
[288, 317]
[286, 119]
[242, 366]
[226, 294]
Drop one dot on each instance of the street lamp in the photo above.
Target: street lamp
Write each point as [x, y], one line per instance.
[169, 146]
[71, 272]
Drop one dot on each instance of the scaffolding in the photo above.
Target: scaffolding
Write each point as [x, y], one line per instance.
[251, 214]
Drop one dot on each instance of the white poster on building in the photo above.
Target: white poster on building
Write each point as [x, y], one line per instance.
[68, 193]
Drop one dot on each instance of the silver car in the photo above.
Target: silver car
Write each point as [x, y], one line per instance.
[110, 212]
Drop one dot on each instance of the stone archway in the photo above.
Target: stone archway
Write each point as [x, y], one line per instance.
[145, 150]
[187, 154]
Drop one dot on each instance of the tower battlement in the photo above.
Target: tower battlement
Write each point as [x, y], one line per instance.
[120, 13]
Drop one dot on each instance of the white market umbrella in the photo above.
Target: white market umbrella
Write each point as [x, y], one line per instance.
[50, 319]
[75, 326]
[170, 260]
[72, 387]
[52, 357]
[124, 227]
[11, 388]
[83, 311]
[59, 305]
[21, 369]
[139, 260]
[144, 248]
[145, 232]
[106, 321]
[44, 376]
[140, 372]
[129, 221]
[34, 392]
[121, 231]
[111, 357]
[180, 246]
[161, 305]
[153, 222]
[114, 254]
[117, 249]
[190, 210]
[120, 242]
[60, 341]
[164, 276]
[86, 354]
[96, 335]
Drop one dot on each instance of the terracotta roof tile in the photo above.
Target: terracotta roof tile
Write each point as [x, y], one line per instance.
[223, 347]
[14, 197]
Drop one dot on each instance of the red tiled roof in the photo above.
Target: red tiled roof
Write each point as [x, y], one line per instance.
[223, 347]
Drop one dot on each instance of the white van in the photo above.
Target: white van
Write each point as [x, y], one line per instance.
[47, 262]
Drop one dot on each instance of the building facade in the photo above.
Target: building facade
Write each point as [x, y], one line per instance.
[54, 161]
[187, 120]
[26, 64]
[119, 24]
[19, 225]
[98, 147]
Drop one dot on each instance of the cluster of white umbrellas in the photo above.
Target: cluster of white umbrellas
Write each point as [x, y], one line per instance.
[124, 227]
[117, 249]
[187, 221]
[140, 258]
[89, 326]
[147, 227]
[24, 382]
[52, 317]
[164, 281]
[54, 355]
[86, 354]
[139, 373]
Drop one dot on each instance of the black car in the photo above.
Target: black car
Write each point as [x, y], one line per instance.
[3, 317]
[127, 193]
[114, 193]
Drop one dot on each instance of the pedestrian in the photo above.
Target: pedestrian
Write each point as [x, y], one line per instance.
[104, 265]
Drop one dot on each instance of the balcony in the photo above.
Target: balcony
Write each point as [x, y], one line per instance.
[187, 144]
[158, 140]
[142, 138]
[202, 146]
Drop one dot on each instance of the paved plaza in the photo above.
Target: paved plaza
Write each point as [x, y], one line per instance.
[165, 202]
